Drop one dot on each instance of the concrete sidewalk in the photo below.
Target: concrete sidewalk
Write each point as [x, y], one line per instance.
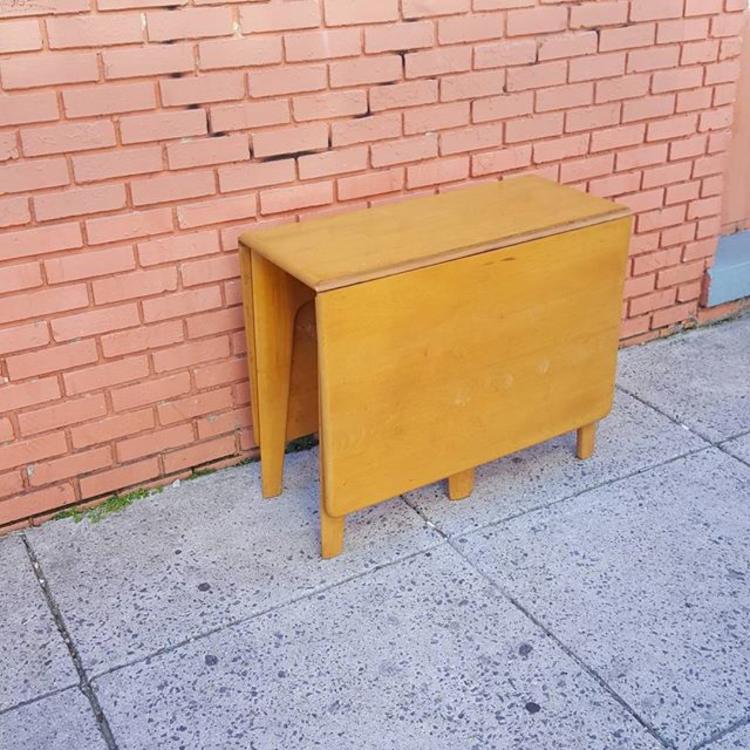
[567, 605]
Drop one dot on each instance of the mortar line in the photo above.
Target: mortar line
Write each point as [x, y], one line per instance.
[566, 649]
[721, 733]
[84, 684]
[36, 699]
[732, 455]
[243, 620]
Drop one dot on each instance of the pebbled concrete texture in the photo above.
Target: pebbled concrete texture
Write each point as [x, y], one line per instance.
[33, 659]
[632, 438]
[699, 378]
[62, 721]
[736, 740]
[740, 446]
[204, 554]
[420, 654]
[646, 580]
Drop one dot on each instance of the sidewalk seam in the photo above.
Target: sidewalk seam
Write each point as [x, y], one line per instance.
[84, 684]
[566, 649]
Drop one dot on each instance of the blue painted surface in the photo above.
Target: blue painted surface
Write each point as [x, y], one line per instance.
[730, 274]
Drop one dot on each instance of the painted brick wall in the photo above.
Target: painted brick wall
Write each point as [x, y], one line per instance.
[137, 138]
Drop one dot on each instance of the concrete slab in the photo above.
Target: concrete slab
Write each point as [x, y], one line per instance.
[34, 659]
[646, 579]
[420, 654]
[205, 554]
[633, 437]
[739, 447]
[63, 721]
[699, 378]
[739, 739]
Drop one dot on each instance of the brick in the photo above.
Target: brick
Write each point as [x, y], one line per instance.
[661, 218]
[66, 137]
[51, 359]
[436, 117]
[682, 193]
[142, 338]
[21, 109]
[94, 30]
[531, 128]
[249, 115]
[290, 140]
[585, 169]
[681, 30]
[470, 28]
[700, 52]
[300, 196]
[653, 301]
[561, 148]
[647, 10]
[324, 44]
[135, 285]
[648, 107]
[473, 138]
[673, 127]
[438, 172]
[727, 25]
[666, 174]
[634, 86]
[105, 99]
[172, 186]
[674, 80]
[20, 36]
[292, 14]
[104, 430]
[53, 7]
[503, 107]
[351, 159]
[6, 430]
[605, 65]
[155, 390]
[639, 285]
[218, 321]
[363, 70]
[207, 151]
[423, 8]
[372, 183]
[72, 411]
[538, 76]
[591, 118]
[472, 85]
[133, 62]
[211, 87]
[128, 4]
[568, 45]
[120, 478]
[505, 53]
[199, 453]
[564, 97]
[70, 466]
[653, 59]
[20, 276]
[219, 268]
[641, 157]
[31, 503]
[94, 322]
[616, 185]
[188, 23]
[14, 211]
[120, 163]
[599, 13]
[255, 175]
[287, 80]
[154, 442]
[504, 160]
[394, 37]
[49, 239]
[239, 53]
[407, 94]
[23, 452]
[716, 119]
[193, 406]
[329, 104]
[435, 62]
[8, 146]
[10, 484]
[18, 396]
[48, 69]
[25, 336]
[689, 101]
[179, 304]
[645, 200]
[618, 137]
[176, 248]
[408, 149]
[163, 125]
[42, 302]
[674, 315]
[190, 353]
[529, 21]
[218, 424]
[78, 201]
[129, 226]
[191, 215]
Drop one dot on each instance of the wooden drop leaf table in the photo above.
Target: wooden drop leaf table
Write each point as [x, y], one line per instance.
[423, 338]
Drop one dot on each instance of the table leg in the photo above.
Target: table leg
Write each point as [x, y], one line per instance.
[460, 485]
[276, 299]
[331, 533]
[586, 440]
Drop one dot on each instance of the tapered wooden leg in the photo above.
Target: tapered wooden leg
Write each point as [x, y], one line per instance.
[460, 485]
[586, 440]
[331, 534]
[276, 299]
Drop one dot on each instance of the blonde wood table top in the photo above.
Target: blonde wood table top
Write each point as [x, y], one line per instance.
[373, 243]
